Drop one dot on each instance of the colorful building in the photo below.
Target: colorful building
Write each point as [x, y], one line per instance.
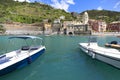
[47, 27]
[77, 26]
[114, 27]
[97, 25]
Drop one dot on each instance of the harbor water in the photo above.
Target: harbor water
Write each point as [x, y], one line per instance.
[63, 60]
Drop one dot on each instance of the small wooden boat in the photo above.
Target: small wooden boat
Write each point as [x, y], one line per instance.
[113, 44]
[18, 58]
[108, 55]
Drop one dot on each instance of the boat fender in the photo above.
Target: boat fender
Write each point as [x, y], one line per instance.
[93, 55]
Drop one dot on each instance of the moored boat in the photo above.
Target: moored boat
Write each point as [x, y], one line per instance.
[19, 58]
[108, 55]
[113, 44]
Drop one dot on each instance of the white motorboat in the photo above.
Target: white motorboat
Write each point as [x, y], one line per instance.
[18, 58]
[108, 55]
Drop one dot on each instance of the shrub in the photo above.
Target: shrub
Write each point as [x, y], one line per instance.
[2, 29]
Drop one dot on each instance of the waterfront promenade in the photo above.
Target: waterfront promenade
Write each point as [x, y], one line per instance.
[106, 33]
[16, 32]
[26, 29]
[36, 32]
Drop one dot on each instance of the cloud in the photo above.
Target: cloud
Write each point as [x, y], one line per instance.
[99, 8]
[62, 4]
[22, 0]
[70, 1]
[117, 5]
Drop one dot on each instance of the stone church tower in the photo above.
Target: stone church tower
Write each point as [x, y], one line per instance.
[85, 18]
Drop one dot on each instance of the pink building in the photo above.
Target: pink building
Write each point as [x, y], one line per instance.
[97, 25]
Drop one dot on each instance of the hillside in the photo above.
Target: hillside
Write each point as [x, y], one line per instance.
[108, 16]
[11, 11]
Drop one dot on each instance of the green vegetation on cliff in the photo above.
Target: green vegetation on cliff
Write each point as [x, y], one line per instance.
[11, 11]
[108, 16]
[2, 29]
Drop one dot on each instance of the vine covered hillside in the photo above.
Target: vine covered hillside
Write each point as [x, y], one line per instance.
[106, 15]
[11, 11]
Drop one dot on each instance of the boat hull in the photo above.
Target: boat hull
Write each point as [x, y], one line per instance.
[22, 63]
[117, 46]
[107, 59]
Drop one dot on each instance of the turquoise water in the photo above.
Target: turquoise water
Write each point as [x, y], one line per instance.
[63, 60]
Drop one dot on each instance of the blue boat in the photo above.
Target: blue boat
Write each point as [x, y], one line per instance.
[19, 58]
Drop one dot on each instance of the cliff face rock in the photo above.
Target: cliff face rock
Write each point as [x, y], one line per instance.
[26, 27]
[19, 28]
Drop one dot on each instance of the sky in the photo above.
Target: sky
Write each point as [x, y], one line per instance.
[81, 5]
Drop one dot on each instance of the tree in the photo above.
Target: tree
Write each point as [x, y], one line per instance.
[2, 29]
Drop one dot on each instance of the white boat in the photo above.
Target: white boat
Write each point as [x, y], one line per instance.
[108, 55]
[16, 59]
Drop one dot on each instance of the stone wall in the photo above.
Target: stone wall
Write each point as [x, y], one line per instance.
[18, 28]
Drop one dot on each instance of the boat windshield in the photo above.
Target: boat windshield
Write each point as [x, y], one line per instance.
[34, 38]
[18, 42]
[92, 39]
